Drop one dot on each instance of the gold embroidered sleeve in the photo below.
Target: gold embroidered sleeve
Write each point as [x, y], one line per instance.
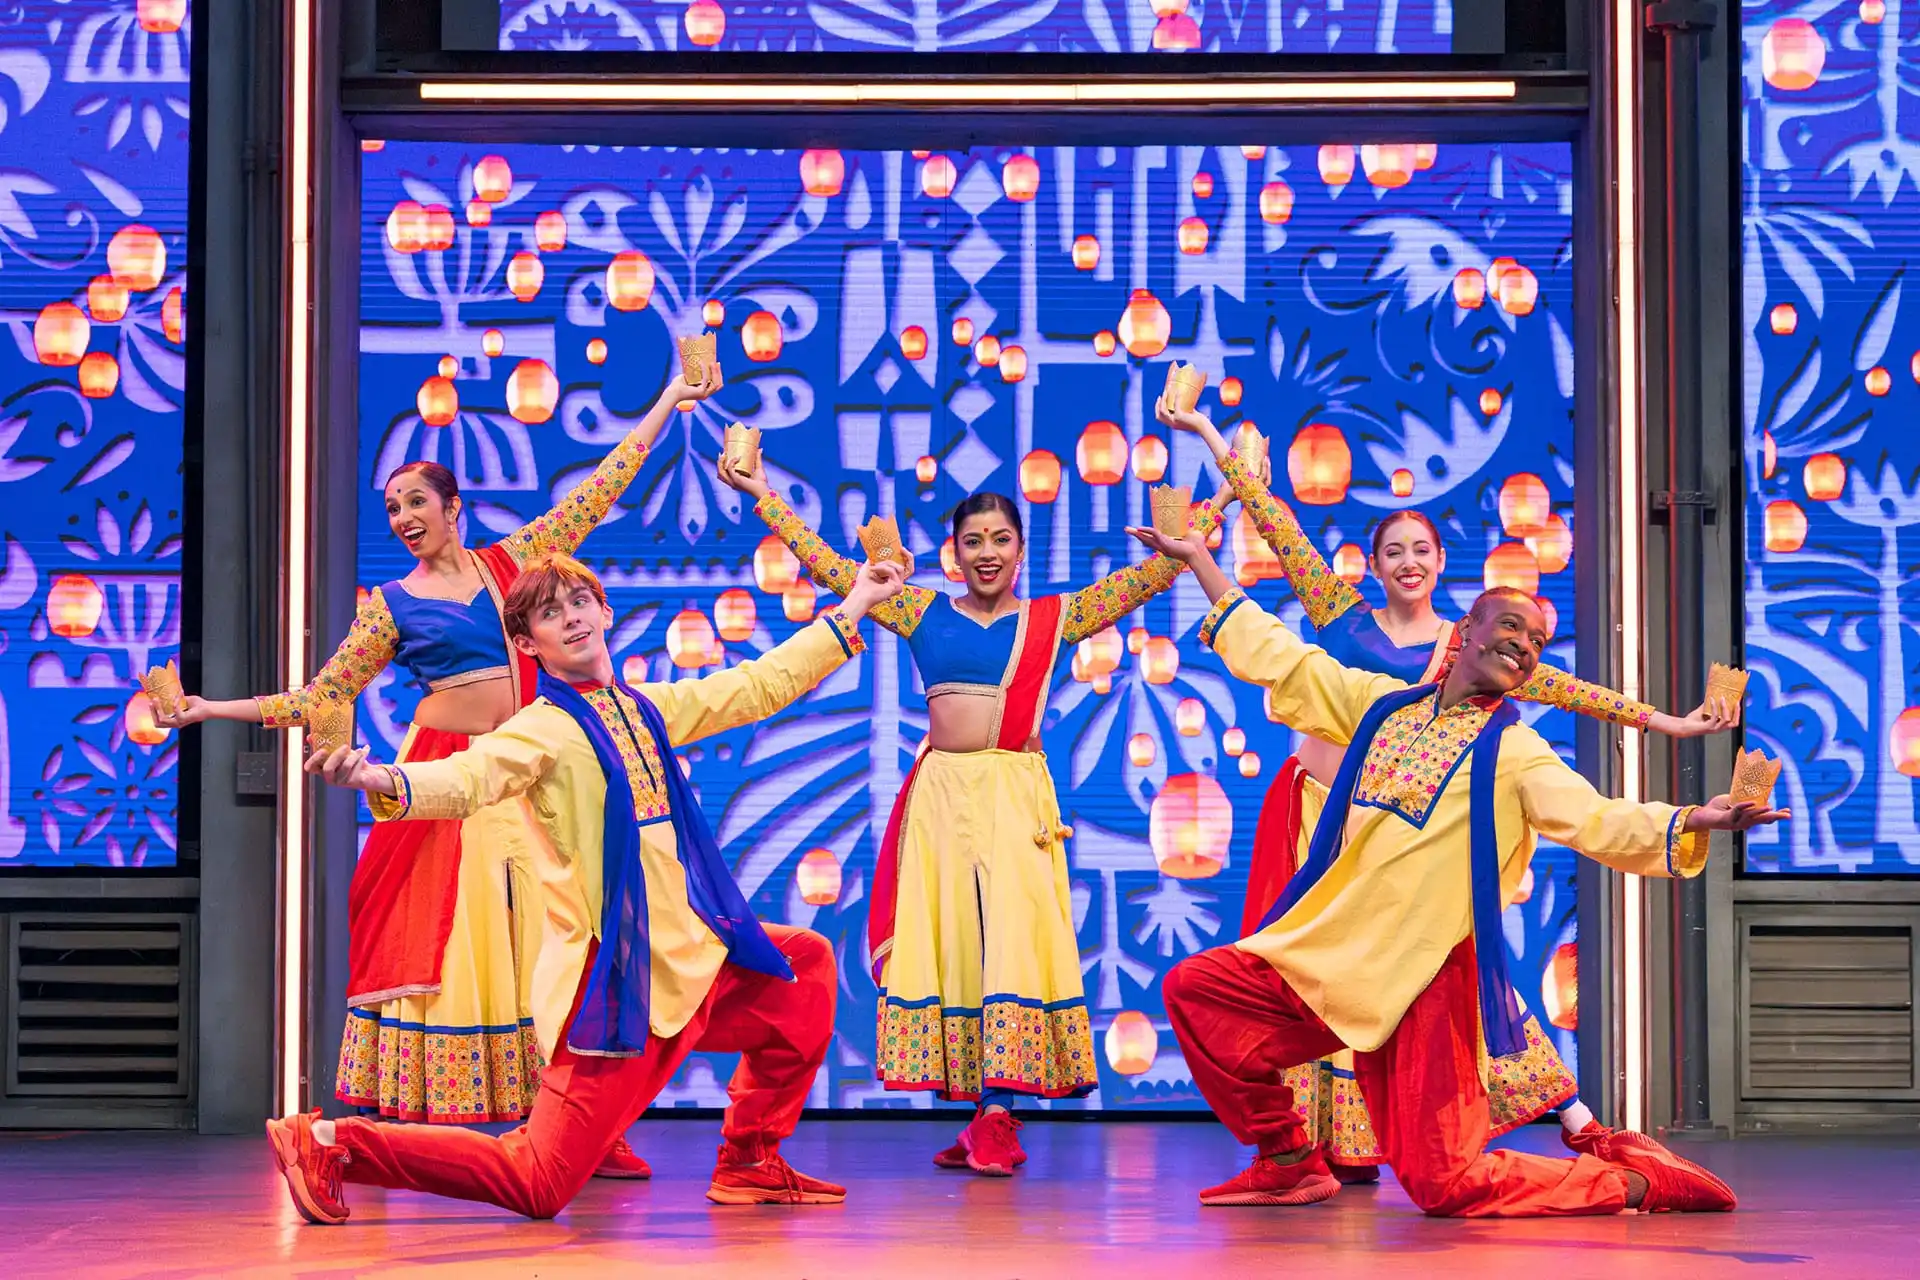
[1556, 688]
[562, 530]
[1095, 608]
[1325, 593]
[370, 645]
[835, 572]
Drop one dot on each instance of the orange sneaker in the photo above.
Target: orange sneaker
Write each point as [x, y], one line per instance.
[621, 1162]
[772, 1181]
[312, 1171]
[1674, 1185]
[992, 1144]
[1268, 1182]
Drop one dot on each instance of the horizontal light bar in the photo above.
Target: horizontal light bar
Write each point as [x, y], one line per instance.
[963, 93]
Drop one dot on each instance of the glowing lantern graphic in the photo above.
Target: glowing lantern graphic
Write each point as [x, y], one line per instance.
[1336, 164]
[532, 392]
[596, 351]
[1879, 381]
[1193, 236]
[1825, 476]
[1904, 742]
[1253, 560]
[141, 726]
[949, 562]
[734, 614]
[173, 316]
[74, 602]
[1792, 55]
[1402, 483]
[1132, 1043]
[818, 878]
[1250, 764]
[1176, 33]
[371, 145]
[705, 22]
[60, 334]
[1552, 546]
[1086, 252]
[550, 231]
[439, 227]
[1013, 364]
[1913, 366]
[1524, 505]
[629, 281]
[1350, 563]
[987, 351]
[1490, 401]
[1254, 153]
[822, 172]
[1190, 826]
[1784, 319]
[1202, 186]
[926, 469]
[448, 366]
[438, 401]
[161, 17]
[99, 375]
[1769, 455]
[492, 179]
[1320, 465]
[1786, 526]
[1149, 458]
[1389, 164]
[1101, 454]
[1020, 177]
[937, 177]
[1104, 343]
[493, 342]
[1497, 270]
[1512, 566]
[689, 639]
[137, 257]
[1230, 391]
[712, 312]
[479, 213]
[1098, 655]
[921, 155]
[407, 227]
[1234, 741]
[1190, 717]
[1519, 290]
[1040, 476]
[1560, 990]
[1276, 202]
[775, 567]
[1548, 614]
[1469, 288]
[1140, 750]
[525, 274]
[797, 602]
[913, 342]
[760, 336]
[963, 332]
[1145, 326]
[1160, 660]
[1424, 154]
[1873, 12]
[106, 299]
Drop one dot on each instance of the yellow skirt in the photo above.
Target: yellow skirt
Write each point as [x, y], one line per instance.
[1520, 1089]
[982, 989]
[466, 1054]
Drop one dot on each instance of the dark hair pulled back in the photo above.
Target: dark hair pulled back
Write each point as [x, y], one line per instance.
[1407, 513]
[433, 475]
[981, 504]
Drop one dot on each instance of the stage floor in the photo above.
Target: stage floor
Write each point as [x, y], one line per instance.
[1105, 1200]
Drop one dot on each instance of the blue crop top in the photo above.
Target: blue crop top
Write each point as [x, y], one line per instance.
[445, 643]
[1355, 640]
[950, 648]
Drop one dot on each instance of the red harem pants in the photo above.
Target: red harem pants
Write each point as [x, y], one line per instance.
[780, 1029]
[1241, 1026]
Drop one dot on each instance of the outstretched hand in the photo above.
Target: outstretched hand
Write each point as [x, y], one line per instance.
[190, 710]
[1710, 717]
[1722, 814]
[751, 480]
[680, 391]
[876, 583]
[1185, 550]
[349, 767]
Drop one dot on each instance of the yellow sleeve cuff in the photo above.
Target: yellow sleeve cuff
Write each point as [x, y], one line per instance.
[847, 633]
[392, 808]
[1686, 850]
[1217, 616]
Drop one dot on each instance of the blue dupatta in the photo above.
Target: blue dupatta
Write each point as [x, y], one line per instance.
[614, 1008]
[1500, 1016]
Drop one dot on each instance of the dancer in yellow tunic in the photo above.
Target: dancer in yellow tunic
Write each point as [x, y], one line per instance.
[970, 919]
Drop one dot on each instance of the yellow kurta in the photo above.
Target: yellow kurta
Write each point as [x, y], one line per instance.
[543, 754]
[1367, 939]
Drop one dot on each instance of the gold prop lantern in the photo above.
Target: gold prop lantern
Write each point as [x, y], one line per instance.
[880, 539]
[1726, 687]
[1170, 506]
[696, 353]
[1184, 385]
[329, 724]
[162, 687]
[743, 448]
[1753, 778]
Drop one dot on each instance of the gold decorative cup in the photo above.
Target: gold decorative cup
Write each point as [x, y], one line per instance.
[1753, 778]
[1184, 385]
[1726, 687]
[329, 724]
[1171, 505]
[696, 353]
[162, 686]
[880, 539]
[743, 448]
[1250, 445]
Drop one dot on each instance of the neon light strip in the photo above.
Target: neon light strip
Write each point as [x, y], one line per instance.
[477, 91]
[1633, 896]
[293, 782]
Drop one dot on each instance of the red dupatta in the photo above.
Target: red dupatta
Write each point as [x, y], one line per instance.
[1016, 727]
[406, 884]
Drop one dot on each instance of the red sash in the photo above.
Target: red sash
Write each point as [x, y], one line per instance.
[400, 902]
[1022, 702]
[1276, 845]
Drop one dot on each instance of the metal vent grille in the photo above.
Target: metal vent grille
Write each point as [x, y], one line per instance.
[95, 1007]
[1829, 1012]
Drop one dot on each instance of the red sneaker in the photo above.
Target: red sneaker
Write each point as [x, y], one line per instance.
[1268, 1182]
[1674, 1185]
[954, 1157]
[992, 1144]
[621, 1162]
[312, 1171]
[772, 1181]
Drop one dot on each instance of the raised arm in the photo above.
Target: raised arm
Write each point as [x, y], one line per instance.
[1325, 593]
[368, 648]
[508, 762]
[834, 571]
[755, 690]
[1641, 839]
[1307, 689]
[1555, 688]
[1095, 608]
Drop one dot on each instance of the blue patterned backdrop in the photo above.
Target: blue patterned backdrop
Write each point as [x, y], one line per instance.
[982, 26]
[1343, 314]
[93, 217]
[1832, 356]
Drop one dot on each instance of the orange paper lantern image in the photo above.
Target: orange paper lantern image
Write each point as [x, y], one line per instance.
[1319, 465]
[822, 172]
[1388, 164]
[479, 213]
[1145, 326]
[1424, 154]
[1234, 741]
[1176, 33]
[1189, 717]
[1105, 344]
[407, 227]
[1140, 750]
[532, 392]
[1193, 236]
[689, 639]
[137, 257]
[173, 316]
[596, 351]
[705, 23]
[775, 567]
[1783, 319]
[1276, 202]
[938, 176]
[74, 602]
[1825, 476]
[550, 231]
[60, 334]
[1350, 563]
[963, 332]
[950, 562]
[1190, 827]
[1101, 455]
[1250, 764]
[1149, 458]
[1873, 12]
[106, 299]
[1160, 660]
[629, 281]
[1086, 252]
[818, 878]
[1548, 615]
[1560, 987]
[987, 351]
[99, 374]
[1020, 177]
[1785, 526]
[439, 227]
[1131, 1043]
[141, 726]
[1469, 289]
[734, 614]
[1519, 291]
[761, 338]
[712, 312]
[1879, 382]
[1903, 742]
[1769, 455]
[1013, 364]
[1512, 566]
[1231, 390]
[1336, 164]
[1552, 547]
[1401, 483]
[1040, 476]
[1792, 55]
[1490, 402]
[525, 274]
[913, 342]
[448, 366]
[492, 179]
[493, 342]
[798, 601]
[438, 401]
[1254, 153]
[160, 17]
[1253, 560]
[1524, 505]
[1203, 185]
